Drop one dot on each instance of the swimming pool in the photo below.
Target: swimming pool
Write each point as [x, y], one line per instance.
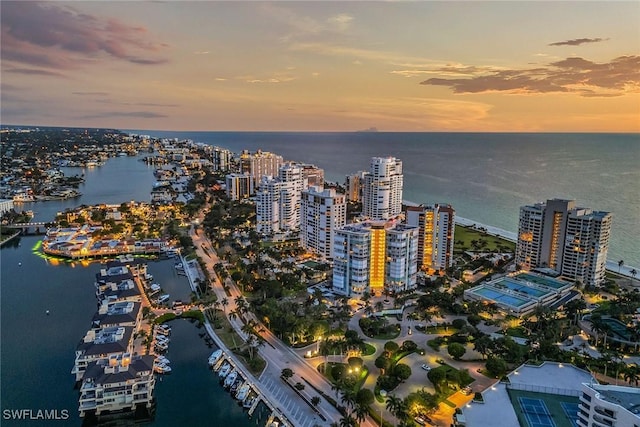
[501, 297]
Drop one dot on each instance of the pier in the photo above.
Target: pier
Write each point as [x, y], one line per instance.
[230, 358]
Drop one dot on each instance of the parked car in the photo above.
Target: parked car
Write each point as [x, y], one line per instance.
[466, 391]
[426, 367]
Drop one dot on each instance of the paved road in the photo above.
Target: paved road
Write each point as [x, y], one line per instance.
[277, 355]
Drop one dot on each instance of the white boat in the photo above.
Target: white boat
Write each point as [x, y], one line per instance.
[148, 276]
[162, 368]
[155, 287]
[243, 391]
[230, 378]
[249, 401]
[163, 332]
[163, 298]
[215, 356]
[163, 360]
[224, 371]
[162, 339]
[179, 266]
[162, 346]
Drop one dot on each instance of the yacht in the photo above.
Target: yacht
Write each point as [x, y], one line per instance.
[215, 356]
[179, 266]
[162, 339]
[163, 332]
[224, 371]
[230, 378]
[163, 298]
[243, 391]
[23, 197]
[248, 402]
[155, 287]
[163, 360]
[162, 368]
[162, 346]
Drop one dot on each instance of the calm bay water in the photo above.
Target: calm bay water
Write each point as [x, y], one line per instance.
[486, 177]
[37, 350]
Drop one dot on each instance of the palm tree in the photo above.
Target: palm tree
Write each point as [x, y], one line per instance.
[632, 374]
[224, 302]
[361, 412]
[378, 306]
[394, 404]
[620, 264]
[348, 421]
[633, 273]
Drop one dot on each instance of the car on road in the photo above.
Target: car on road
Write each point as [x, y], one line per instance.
[423, 420]
[426, 367]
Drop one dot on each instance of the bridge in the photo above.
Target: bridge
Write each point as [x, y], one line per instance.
[30, 227]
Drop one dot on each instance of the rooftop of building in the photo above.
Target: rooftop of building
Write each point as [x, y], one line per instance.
[99, 373]
[531, 393]
[627, 397]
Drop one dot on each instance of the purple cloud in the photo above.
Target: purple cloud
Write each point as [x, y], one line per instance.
[577, 42]
[49, 35]
[576, 75]
[35, 72]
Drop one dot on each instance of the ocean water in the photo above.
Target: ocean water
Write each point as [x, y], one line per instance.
[486, 177]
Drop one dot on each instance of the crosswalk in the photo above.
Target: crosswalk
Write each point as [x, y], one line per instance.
[297, 411]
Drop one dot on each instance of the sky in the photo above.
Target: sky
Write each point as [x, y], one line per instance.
[505, 66]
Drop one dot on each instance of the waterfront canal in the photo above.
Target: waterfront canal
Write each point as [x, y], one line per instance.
[37, 350]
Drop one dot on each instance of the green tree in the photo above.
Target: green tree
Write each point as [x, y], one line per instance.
[496, 366]
[364, 397]
[456, 350]
[391, 346]
[402, 371]
[286, 373]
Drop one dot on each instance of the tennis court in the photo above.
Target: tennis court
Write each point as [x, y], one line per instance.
[541, 280]
[571, 409]
[536, 412]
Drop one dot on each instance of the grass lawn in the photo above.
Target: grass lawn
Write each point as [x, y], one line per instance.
[517, 332]
[467, 234]
[369, 350]
[233, 342]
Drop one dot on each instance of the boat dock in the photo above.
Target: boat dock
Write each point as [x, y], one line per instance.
[245, 376]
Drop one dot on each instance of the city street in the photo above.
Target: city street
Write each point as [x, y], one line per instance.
[277, 355]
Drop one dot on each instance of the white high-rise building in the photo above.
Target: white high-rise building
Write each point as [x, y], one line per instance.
[278, 200]
[374, 256]
[268, 206]
[401, 258]
[609, 405]
[382, 189]
[351, 253]
[572, 241]
[293, 183]
[435, 242]
[322, 212]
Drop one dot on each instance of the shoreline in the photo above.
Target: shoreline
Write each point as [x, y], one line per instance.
[612, 266]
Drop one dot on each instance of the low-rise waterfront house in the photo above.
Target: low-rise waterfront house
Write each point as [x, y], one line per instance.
[116, 384]
[119, 313]
[102, 343]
